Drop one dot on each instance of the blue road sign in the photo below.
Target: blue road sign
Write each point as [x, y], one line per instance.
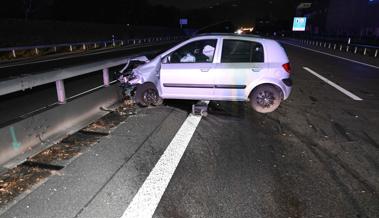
[299, 23]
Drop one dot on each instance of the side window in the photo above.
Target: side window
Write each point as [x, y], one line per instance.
[201, 51]
[238, 51]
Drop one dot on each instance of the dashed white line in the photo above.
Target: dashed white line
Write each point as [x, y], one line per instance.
[339, 88]
[149, 195]
[332, 55]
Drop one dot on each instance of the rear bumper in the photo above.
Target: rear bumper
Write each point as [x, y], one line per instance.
[286, 87]
[288, 82]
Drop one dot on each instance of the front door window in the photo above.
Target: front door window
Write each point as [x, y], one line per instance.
[201, 51]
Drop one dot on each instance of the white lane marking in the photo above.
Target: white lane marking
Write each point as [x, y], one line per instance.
[339, 88]
[149, 195]
[325, 53]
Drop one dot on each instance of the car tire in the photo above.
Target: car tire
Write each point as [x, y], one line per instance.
[265, 98]
[147, 94]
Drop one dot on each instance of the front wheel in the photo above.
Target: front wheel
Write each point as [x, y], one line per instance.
[265, 98]
[147, 94]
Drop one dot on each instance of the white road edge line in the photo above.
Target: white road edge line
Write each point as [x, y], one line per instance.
[336, 56]
[339, 88]
[150, 193]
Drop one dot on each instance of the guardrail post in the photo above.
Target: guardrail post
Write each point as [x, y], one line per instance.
[365, 51]
[106, 77]
[340, 47]
[95, 45]
[347, 48]
[355, 50]
[335, 46]
[14, 53]
[376, 53]
[330, 45]
[71, 48]
[84, 47]
[36, 51]
[55, 48]
[325, 45]
[61, 93]
[122, 42]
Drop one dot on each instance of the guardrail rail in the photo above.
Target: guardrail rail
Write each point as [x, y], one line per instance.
[366, 50]
[20, 138]
[35, 50]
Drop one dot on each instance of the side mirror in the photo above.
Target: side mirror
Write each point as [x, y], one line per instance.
[166, 59]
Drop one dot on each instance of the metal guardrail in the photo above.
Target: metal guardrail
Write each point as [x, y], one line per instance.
[38, 131]
[37, 49]
[366, 50]
[58, 76]
[29, 136]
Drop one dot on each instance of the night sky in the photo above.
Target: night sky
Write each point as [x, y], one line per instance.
[150, 12]
[190, 4]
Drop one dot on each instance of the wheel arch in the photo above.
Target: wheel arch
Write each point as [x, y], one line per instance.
[253, 87]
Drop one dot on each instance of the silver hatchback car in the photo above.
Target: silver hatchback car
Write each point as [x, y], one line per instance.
[224, 67]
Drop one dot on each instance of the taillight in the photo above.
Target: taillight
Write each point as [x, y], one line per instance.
[287, 67]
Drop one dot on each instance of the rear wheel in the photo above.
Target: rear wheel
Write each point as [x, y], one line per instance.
[147, 94]
[265, 98]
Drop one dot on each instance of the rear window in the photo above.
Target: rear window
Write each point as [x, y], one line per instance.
[239, 51]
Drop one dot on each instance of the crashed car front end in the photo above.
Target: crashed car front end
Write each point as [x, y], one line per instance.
[138, 71]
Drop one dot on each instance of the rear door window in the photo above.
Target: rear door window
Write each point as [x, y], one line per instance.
[240, 51]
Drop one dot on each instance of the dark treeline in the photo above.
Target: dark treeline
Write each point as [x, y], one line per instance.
[133, 12]
[141, 12]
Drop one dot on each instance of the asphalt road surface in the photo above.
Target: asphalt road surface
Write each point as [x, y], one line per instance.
[316, 156]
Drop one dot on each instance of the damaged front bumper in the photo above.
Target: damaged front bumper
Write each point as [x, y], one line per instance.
[127, 78]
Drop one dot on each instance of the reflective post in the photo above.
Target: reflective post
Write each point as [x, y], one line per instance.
[61, 93]
[106, 77]
[14, 53]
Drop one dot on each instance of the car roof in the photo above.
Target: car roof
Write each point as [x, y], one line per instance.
[249, 37]
[229, 34]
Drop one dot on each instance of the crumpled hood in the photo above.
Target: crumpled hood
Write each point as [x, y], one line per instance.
[149, 72]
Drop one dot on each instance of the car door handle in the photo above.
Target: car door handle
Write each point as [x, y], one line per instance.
[256, 69]
[204, 69]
